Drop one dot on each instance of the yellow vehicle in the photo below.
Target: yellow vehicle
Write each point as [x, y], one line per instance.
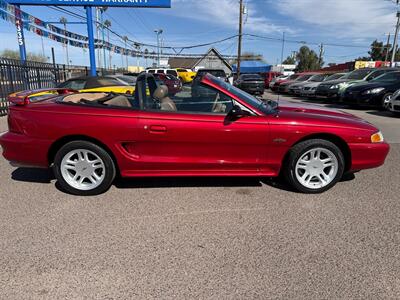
[97, 84]
[102, 84]
[186, 75]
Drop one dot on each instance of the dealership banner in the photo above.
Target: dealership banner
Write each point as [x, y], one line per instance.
[115, 3]
[44, 29]
[371, 64]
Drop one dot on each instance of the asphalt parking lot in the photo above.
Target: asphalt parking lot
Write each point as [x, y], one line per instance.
[203, 238]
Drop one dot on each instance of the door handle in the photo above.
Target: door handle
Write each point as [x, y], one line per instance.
[157, 129]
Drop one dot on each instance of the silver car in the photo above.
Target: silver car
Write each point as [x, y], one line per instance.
[394, 103]
[308, 90]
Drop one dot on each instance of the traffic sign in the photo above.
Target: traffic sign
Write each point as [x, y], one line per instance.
[112, 3]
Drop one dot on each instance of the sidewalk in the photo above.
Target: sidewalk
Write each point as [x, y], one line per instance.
[3, 124]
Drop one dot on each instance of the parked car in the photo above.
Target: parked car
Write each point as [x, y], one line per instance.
[197, 88]
[125, 79]
[269, 76]
[394, 103]
[186, 75]
[283, 80]
[251, 83]
[97, 84]
[377, 92]
[333, 88]
[372, 75]
[303, 77]
[174, 84]
[90, 138]
[277, 79]
[309, 89]
[163, 71]
[296, 88]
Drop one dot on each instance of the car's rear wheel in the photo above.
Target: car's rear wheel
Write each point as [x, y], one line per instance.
[314, 166]
[83, 168]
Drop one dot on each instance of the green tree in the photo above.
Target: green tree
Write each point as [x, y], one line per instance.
[308, 60]
[377, 51]
[14, 54]
[290, 60]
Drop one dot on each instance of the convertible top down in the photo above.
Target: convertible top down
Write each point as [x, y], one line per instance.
[90, 138]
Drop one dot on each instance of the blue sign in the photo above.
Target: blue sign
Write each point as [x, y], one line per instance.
[115, 3]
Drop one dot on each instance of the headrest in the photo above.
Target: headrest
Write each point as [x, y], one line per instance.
[161, 92]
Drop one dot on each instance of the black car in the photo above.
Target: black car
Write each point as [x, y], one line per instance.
[332, 89]
[251, 83]
[197, 88]
[376, 92]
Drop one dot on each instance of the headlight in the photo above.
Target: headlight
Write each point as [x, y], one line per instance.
[377, 137]
[314, 88]
[334, 87]
[373, 91]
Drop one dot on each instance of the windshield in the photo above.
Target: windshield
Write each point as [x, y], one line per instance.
[359, 74]
[317, 78]
[127, 79]
[293, 77]
[388, 77]
[216, 73]
[335, 76]
[251, 100]
[304, 78]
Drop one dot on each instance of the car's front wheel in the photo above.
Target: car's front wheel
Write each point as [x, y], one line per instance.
[386, 100]
[314, 166]
[83, 168]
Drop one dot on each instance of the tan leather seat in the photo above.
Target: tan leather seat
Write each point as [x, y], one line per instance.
[119, 101]
[76, 98]
[161, 94]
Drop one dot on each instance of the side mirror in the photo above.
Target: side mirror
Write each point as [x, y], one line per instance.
[236, 113]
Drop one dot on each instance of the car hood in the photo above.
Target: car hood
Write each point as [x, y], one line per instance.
[299, 84]
[312, 84]
[363, 86]
[287, 82]
[321, 116]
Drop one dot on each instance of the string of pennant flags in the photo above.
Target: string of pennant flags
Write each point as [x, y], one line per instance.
[32, 24]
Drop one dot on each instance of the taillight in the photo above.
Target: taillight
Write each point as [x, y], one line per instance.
[18, 100]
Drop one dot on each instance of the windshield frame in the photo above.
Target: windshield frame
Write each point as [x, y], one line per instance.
[366, 73]
[254, 104]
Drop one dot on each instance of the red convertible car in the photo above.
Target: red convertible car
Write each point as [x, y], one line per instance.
[90, 138]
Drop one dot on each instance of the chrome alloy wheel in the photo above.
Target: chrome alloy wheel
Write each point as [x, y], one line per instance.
[386, 101]
[83, 169]
[316, 168]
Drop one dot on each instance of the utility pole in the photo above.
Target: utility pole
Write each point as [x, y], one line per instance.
[395, 35]
[283, 47]
[158, 32]
[240, 38]
[64, 22]
[387, 48]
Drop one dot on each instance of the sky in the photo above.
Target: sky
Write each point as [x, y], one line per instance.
[351, 25]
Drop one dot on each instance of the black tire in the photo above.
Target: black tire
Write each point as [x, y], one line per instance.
[383, 107]
[110, 170]
[298, 151]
